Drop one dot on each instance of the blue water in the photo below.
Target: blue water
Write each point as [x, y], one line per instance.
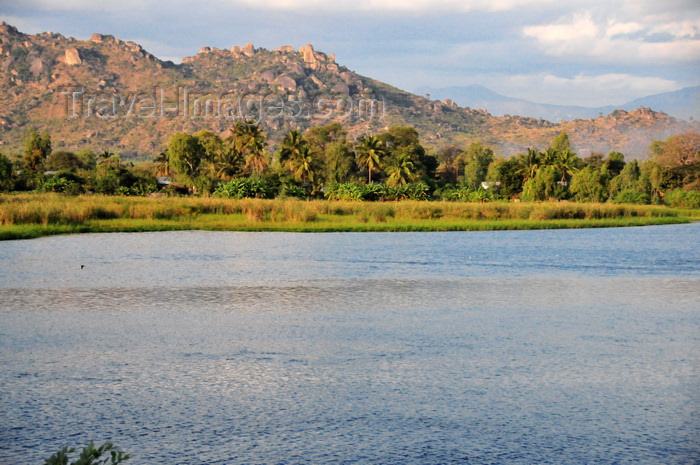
[514, 347]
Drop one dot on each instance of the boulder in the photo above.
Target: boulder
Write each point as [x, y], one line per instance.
[205, 50]
[286, 49]
[267, 76]
[341, 88]
[318, 82]
[249, 50]
[97, 38]
[7, 63]
[307, 52]
[37, 66]
[297, 69]
[72, 57]
[347, 76]
[286, 83]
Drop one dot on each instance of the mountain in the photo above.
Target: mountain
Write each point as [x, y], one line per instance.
[108, 94]
[682, 104]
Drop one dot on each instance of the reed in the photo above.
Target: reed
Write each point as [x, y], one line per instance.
[29, 215]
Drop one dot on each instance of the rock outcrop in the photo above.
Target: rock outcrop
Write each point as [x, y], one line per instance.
[286, 83]
[37, 66]
[267, 76]
[72, 57]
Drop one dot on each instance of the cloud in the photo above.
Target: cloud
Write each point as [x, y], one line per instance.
[613, 41]
[407, 6]
[583, 89]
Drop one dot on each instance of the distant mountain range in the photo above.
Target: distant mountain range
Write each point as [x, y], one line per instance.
[683, 104]
[104, 93]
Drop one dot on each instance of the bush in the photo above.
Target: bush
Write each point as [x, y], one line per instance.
[244, 188]
[464, 194]
[106, 454]
[63, 183]
[682, 198]
[632, 196]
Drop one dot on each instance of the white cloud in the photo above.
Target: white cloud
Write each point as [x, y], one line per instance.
[87, 5]
[409, 6]
[583, 36]
[406, 6]
[618, 29]
[583, 90]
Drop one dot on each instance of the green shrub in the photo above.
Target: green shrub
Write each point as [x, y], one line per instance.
[244, 188]
[632, 196]
[106, 454]
[682, 198]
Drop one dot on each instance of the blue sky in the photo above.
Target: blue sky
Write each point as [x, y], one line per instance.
[574, 52]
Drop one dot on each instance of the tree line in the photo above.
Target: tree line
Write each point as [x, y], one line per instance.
[325, 162]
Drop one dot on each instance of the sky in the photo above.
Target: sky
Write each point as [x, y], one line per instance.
[566, 52]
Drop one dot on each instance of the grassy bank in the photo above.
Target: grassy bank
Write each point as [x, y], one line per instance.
[34, 215]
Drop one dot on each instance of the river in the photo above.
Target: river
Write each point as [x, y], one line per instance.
[512, 347]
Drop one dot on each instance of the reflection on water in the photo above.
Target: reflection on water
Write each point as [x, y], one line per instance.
[500, 347]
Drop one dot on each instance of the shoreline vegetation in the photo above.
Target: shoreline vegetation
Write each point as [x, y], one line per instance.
[25, 216]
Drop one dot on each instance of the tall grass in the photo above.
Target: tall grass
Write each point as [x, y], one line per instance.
[58, 210]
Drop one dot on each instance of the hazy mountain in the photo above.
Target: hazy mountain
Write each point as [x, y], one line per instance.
[108, 94]
[683, 104]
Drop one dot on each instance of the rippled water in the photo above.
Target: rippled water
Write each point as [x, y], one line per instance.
[518, 347]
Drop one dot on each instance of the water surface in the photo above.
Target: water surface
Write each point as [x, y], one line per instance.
[568, 346]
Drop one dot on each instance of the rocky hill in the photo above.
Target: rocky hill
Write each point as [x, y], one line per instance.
[108, 94]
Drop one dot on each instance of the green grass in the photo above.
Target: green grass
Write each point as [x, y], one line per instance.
[34, 215]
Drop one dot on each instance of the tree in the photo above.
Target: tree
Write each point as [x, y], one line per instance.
[291, 147]
[560, 143]
[37, 148]
[545, 185]
[614, 164]
[185, 154]
[681, 149]
[588, 185]
[628, 179]
[302, 166]
[257, 161]
[400, 170]
[63, 161]
[338, 161]
[566, 163]
[595, 160]
[7, 175]
[162, 162]
[320, 137]
[405, 139]
[529, 163]
[369, 152]
[477, 160]
[249, 141]
[679, 155]
[448, 164]
[505, 171]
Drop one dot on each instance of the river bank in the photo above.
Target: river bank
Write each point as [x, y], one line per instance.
[34, 215]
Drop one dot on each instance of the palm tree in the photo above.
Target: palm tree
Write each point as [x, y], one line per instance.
[250, 142]
[162, 162]
[257, 161]
[302, 166]
[370, 151]
[567, 164]
[291, 146]
[529, 163]
[400, 170]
